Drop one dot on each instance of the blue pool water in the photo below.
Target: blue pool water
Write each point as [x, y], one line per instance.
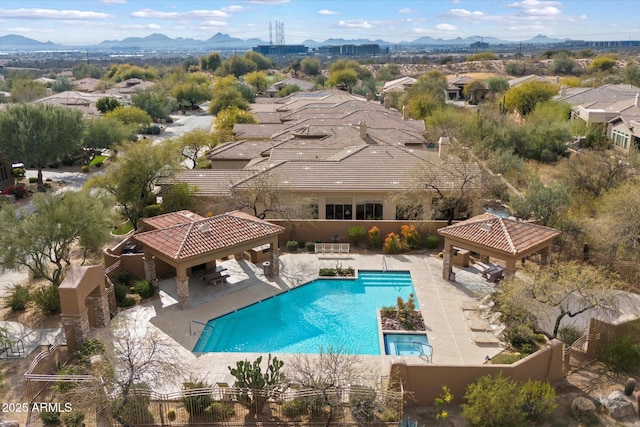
[323, 313]
[407, 345]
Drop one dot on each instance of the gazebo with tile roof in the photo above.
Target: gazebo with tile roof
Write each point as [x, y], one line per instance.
[490, 235]
[184, 240]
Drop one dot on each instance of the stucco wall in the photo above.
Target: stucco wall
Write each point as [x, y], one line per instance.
[424, 382]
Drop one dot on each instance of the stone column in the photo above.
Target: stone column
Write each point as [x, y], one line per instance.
[183, 292]
[447, 260]
[78, 324]
[545, 255]
[100, 306]
[149, 267]
[510, 269]
[274, 258]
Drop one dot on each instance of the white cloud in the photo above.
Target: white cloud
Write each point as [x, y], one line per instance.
[233, 9]
[113, 1]
[191, 14]
[538, 7]
[23, 30]
[446, 27]
[51, 14]
[465, 14]
[213, 24]
[327, 12]
[267, 1]
[360, 24]
[140, 27]
[406, 11]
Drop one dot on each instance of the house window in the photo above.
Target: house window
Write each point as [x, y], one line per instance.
[369, 210]
[338, 211]
[620, 139]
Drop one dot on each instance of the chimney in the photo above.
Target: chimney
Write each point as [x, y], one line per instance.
[405, 112]
[387, 102]
[596, 83]
[443, 147]
[363, 129]
[563, 91]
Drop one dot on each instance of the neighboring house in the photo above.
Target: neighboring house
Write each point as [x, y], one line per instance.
[343, 157]
[273, 90]
[399, 85]
[129, 87]
[86, 102]
[456, 85]
[617, 106]
[88, 84]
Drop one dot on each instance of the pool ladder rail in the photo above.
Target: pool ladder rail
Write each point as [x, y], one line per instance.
[206, 325]
[384, 263]
[420, 347]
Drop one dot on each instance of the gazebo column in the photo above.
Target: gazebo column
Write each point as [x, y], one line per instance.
[545, 255]
[149, 263]
[182, 284]
[274, 257]
[447, 260]
[510, 269]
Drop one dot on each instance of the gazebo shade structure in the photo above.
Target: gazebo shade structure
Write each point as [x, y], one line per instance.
[490, 235]
[184, 240]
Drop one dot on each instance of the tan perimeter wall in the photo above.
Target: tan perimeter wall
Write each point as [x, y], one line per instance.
[321, 230]
[608, 333]
[423, 382]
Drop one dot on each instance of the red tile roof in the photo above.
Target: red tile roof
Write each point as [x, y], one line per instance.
[198, 237]
[502, 234]
[171, 219]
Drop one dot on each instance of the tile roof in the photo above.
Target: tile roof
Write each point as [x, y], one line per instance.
[171, 219]
[503, 234]
[208, 182]
[606, 93]
[199, 237]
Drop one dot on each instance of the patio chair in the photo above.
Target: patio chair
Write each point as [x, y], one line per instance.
[489, 338]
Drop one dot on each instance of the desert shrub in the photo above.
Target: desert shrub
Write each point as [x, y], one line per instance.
[89, 348]
[392, 244]
[50, 418]
[65, 386]
[410, 236]
[144, 288]
[68, 161]
[222, 411]
[623, 355]
[33, 179]
[293, 409]
[569, 334]
[128, 301]
[520, 337]
[136, 409]
[47, 299]
[292, 245]
[356, 234]
[431, 242]
[17, 298]
[120, 291]
[375, 241]
[152, 210]
[196, 405]
[311, 246]
[85, 168]
[629, 387]
[493, 401]
[362, 403]
[327, 272]
[506, 358]
[171, 415]
[73, 419]
[124, 277]
[539, 400]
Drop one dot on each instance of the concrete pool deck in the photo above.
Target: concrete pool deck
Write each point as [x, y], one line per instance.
[439, 301]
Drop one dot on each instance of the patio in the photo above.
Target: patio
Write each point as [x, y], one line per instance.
[439, 302]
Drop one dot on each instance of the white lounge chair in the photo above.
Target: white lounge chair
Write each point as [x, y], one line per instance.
[493, 338]
[319, 248]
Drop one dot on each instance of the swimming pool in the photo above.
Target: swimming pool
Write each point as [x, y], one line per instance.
[407, 344]
[326, 312]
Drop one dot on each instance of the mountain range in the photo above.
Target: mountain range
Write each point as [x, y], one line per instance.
[220, 41]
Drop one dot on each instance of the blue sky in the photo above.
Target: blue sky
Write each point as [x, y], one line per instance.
[86, 22]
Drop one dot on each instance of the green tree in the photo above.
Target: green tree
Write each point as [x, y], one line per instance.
[344, 78]
[107, 103]
[545, 204]
[27, 90]
[257, 79]
[130, 116]
[631, 74]
[497, 85]
[210, 62]
[228, 117]
[61, 85]
[227, 97]
[157, 105]
[288, 90]
[563, 63]
[426, 94]
[178, 197]
[193, 144]
[474, 90]
[493, 401]
[42, 241]
[39, 134]
[236, 65]
[104, 132]
[191, 94]
[122, 72]
[310, 66]
[525, 97]
[483, 56]
[593, 173]
[131, 177]
[261, 62]
[84, 70]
